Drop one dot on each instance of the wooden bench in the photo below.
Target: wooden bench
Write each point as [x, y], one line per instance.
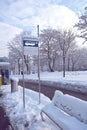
[67, 112]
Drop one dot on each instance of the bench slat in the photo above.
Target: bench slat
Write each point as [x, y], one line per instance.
[67, 112]
[71, 105]
[62, 119]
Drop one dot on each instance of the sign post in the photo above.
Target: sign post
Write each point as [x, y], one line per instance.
[31, 47]
[39, 65]
[23, 82]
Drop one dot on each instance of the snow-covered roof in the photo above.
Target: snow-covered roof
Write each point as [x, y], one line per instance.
[4, 63]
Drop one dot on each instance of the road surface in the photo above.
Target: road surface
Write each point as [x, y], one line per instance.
[49, 90]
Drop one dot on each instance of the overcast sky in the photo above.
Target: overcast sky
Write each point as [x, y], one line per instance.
[17, 15]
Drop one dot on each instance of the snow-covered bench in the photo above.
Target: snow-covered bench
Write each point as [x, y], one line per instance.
[67, 112]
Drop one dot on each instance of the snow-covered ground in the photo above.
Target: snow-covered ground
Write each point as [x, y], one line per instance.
[75, 77]
[29, 118]
[76, 80]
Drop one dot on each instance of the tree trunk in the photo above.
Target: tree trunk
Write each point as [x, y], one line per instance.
[68, 67]
[18, 66]
[63, 65]
[73, 66]
[28, 69]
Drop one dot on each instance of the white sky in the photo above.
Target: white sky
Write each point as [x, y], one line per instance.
[26, 15]
[7, 32]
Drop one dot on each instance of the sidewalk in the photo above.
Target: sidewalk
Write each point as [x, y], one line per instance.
[4, 120]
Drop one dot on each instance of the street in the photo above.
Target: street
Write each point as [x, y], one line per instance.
[49, 90]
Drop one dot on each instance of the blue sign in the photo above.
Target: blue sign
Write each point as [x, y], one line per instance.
[29, 43]
[30, 46]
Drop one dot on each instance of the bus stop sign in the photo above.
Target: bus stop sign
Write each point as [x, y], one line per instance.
[30, 46]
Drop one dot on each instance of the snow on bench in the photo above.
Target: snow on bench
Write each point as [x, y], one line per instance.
[67, 112]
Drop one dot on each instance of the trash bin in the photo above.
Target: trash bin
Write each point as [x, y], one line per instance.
[14, 84]
[0, 80]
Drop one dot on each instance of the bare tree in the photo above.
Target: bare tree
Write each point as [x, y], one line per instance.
[16, 52]
[82, 25]
[82, 62]
[49, 47]
[66, 41]
[74, 58]
[54, 43]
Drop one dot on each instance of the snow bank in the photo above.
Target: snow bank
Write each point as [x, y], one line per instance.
[71, 105]
[13, 103]
[75, 81]
[66, 85]
[29, 118]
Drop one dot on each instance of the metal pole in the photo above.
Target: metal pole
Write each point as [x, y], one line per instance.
[23, 80]
[39, 65]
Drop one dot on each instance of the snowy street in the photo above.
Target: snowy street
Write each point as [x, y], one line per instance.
[29, 118]
[48, 90]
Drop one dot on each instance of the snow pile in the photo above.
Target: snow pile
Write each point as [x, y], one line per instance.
[75, 81]
[75, 77]
[68, 112]
[14, 78]
[71, 105]
[28, 118]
